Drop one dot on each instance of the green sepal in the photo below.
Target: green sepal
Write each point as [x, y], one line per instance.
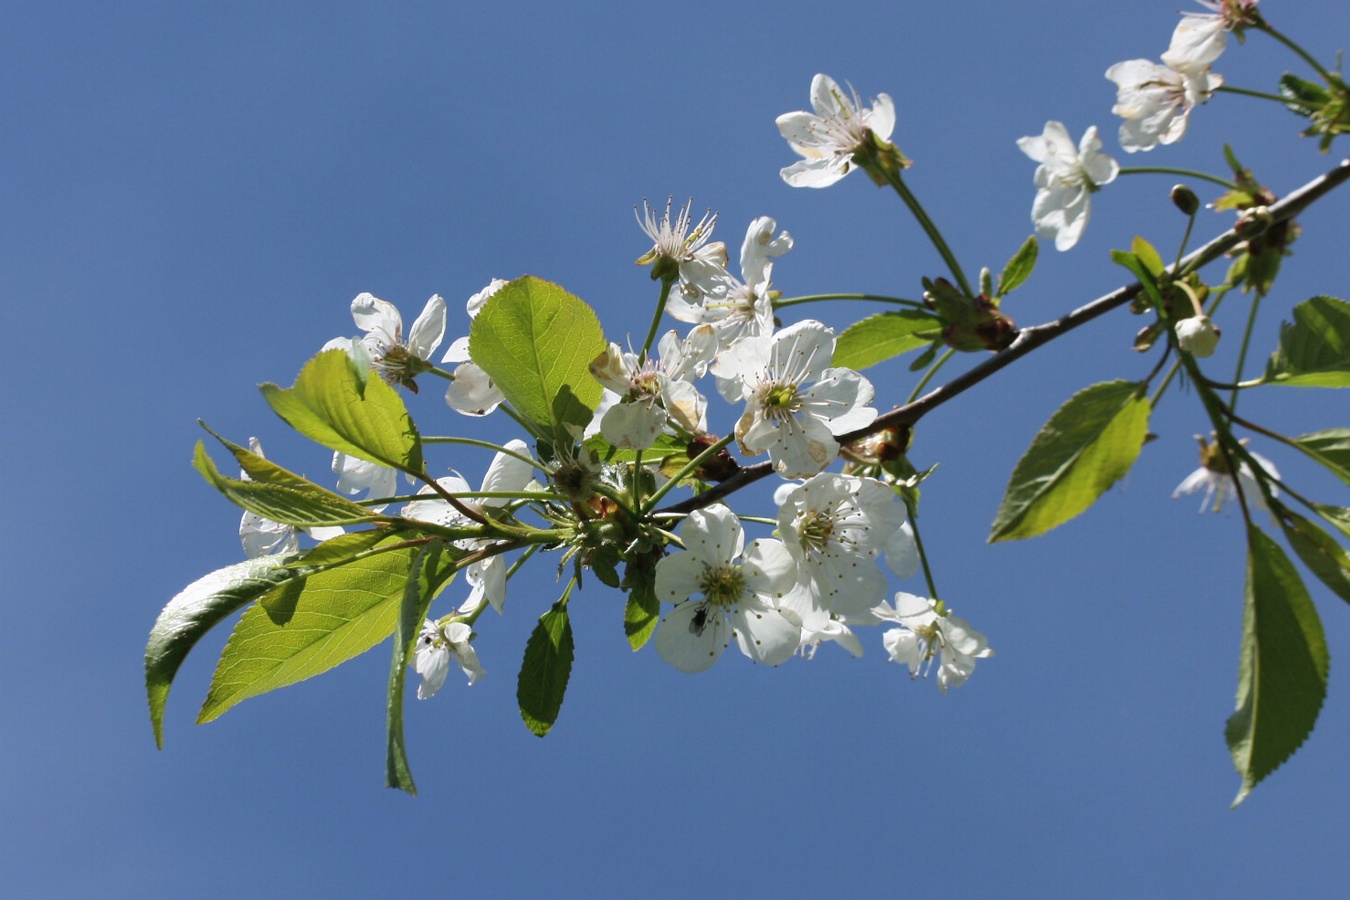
[1282, 673]
[283, 497]
[1087, 446]
[426, 580]
[309, 625]
[1314, 349]
[546, 668]
[195, 611]
[1019, 268]
[335, 405]
[884, 336]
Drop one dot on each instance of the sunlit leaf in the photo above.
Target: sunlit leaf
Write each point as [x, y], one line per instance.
[1087, 446]
[535, 340]
[427, 578]
[1019, 268]
[195, 611]
[883, 336]
[1315, 348]
[1331, 448]
[288, 499]
[332, 403]
[1320, 552]
[1282, 674]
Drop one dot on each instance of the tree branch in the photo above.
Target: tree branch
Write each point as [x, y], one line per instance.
[1029, 339]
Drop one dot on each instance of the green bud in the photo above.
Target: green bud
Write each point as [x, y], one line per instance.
[1184, 199]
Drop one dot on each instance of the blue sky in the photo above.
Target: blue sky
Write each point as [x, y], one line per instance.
[194, 193]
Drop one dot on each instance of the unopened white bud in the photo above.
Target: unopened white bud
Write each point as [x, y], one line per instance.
[1197, 336]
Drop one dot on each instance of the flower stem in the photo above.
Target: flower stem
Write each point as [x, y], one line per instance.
[1247, 92]
[1263, 25]
[928, 376]
[1184, 173]
[875, 298]
[1242, 352]
[913, 511]
[893, 176]
[666, 284]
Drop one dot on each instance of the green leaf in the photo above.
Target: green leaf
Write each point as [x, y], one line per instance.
[194, 612]
[883, 336]
[1282, 674]
[1148, 256]
[643, 609]
[1338, 516]
[306, 627]
[926, 357]
[547, 666]
[1087, 446]
[1315, 349]
[1141, 272]
[286, 498]
[428, 578]
[535, 341]
[341, 549]
[1319, 551]
[333, 404]
[1019, 268]
[1331, 448]
[1303, 98]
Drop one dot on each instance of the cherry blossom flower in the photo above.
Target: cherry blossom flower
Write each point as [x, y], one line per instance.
[1216, 481]
[927, 629]
[795, 403]
[472, 392]
[1065, 181]
[740, 307]
[396, 360]
[1155, 100]
[1197, 335]
[437, 647]
[1200, 37]
[839, 130]
[356, 475]
[679, 252]
[737, 598]
[644, 394]
[835, 526]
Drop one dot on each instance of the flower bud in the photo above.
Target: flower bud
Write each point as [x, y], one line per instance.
[1254, 221]
[1184, 199]
[1197, 336]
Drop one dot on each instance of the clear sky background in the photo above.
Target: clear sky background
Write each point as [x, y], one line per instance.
[193, 193]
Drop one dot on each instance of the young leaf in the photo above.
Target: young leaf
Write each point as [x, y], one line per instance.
[643, 609]
[1323, 556]
[1019, 268]
[1331, 448]
[1282, 674]
[363, 417]
[290, 501]
[306, 627]
[427, 579]
[534, 340]
[1315, 349]
[193, 612]
[547, 666]
[1087, 446]
[1141, 272]
[1147, 255]
[883, 336]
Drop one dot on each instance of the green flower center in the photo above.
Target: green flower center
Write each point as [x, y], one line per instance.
[723, 585]
[814, 530]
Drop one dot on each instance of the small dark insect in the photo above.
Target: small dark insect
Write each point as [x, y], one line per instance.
[700, 621]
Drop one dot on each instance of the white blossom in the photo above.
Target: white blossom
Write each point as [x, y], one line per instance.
[829, 137]
[1200, 37]
[795, 402]
[437, 647]
[742, 307]
[737, 595]
[927, 630]
[1155, 100]
[263, 537]
[835, 526]
[356, 475]
[1065, 181]
[643, 394]
[383, 346]
[1214, 479]
[472, 392]
[701, 265]
[1197, 335]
